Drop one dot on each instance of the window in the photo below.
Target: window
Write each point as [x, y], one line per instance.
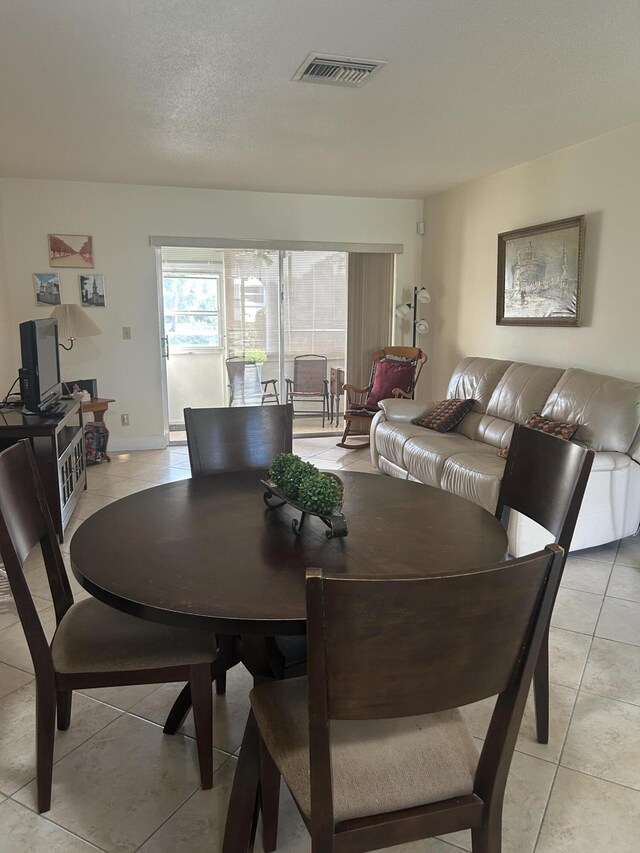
[192, 310]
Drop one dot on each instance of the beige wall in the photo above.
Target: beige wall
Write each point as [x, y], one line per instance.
[121, 218]
[600, 178]
[7, 334]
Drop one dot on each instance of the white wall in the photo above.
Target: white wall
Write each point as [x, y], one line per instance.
[121, 218]
[600, 178]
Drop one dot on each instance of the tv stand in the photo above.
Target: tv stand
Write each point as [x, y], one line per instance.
[57, 441]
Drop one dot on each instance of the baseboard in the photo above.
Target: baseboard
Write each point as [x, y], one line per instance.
[140, 442]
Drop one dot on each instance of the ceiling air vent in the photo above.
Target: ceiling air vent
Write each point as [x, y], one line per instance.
[337, 70]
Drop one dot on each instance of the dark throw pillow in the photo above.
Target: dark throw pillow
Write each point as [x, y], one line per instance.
[557, 428]
[446, 415]
[389, 374]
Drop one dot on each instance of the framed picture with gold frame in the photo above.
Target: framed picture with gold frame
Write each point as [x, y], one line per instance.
[540, 274]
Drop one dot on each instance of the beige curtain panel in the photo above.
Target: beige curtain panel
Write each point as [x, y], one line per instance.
[369, 311]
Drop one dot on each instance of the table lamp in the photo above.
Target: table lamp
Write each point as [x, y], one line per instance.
[73, 323]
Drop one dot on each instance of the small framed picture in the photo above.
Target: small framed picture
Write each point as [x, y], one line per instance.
[539, 274]
[92, 291]
[71, 250]
[47, 286]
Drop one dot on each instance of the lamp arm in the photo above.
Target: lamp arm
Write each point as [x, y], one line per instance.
[69, 347]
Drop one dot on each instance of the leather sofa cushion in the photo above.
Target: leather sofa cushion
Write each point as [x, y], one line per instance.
[477, 378]
[522, 390]
[475, 476]
[607, 409]
[486, 428]
[391, 437]
[425, 455]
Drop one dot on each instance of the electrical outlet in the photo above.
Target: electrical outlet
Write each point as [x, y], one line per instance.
[126, 333]
[124, 420]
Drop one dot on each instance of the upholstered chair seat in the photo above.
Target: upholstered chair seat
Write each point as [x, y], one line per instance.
[93, 637]
[378, 765]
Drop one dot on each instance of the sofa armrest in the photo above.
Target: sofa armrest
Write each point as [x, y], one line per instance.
[405, 411]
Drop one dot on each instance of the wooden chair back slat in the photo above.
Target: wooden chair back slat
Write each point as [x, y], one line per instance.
[309, 374]
[544, 479]
[406, 647]
[237, 439]
[25, 521]
[18, 498]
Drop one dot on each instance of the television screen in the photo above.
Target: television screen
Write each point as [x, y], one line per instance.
[40, 364]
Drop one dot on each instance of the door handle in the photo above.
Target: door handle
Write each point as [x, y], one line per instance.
[164, 343]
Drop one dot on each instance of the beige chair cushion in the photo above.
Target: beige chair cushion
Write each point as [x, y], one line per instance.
[378, 766]
[93, 637]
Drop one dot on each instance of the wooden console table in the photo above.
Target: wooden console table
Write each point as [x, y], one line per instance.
[58, 445]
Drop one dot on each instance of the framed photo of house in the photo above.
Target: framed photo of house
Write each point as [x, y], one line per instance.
[92, 291]
[540, 274]
[71, 250]
[47, 287]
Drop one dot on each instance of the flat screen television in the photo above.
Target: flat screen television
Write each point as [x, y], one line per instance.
[40, 375]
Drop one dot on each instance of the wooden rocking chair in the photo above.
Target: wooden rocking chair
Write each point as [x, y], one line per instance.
[362, 403]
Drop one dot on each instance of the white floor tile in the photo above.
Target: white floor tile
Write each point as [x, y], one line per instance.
[587, 815]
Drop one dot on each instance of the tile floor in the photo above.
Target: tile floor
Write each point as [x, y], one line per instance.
[119, 784]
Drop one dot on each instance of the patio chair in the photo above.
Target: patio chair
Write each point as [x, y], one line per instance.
[244, 382]
[309, 383]
[394, 373]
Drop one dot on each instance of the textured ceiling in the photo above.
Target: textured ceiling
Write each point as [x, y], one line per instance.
[198, 93]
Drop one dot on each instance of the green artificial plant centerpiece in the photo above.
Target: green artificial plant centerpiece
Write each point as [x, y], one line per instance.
[304, 483]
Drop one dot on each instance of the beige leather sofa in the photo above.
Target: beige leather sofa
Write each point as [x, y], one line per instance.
[466, 461]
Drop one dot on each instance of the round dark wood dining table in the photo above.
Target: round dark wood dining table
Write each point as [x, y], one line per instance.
[207, 553]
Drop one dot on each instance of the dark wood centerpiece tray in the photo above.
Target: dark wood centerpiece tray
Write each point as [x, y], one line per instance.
[275, 497]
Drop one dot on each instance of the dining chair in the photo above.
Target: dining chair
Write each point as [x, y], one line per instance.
[310, 383]
[239, 439]
[545, 478]
[225, 440]
[372, 744]
[94, 645]
[390, 367]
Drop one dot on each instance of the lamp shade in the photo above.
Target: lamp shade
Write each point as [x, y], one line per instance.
[423, 295]
[403, 311]
[73, 322]
[422, 326]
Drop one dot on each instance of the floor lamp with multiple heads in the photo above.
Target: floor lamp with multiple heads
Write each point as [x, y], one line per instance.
[420, 294]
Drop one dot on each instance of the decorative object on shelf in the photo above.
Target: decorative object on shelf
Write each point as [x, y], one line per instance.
[73, 323]
[301, 485]
[540, 274]
[47, 285]
[88, 385]
[403, 312]
[71, 250]
[92, 291]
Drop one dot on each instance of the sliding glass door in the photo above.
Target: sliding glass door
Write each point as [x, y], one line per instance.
[237, 322]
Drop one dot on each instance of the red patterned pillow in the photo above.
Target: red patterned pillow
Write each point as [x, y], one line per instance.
[446, 415]
[389, 374]
[562, 430]
[557, 428]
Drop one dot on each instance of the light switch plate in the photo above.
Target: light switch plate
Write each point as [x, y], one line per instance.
[126, 333]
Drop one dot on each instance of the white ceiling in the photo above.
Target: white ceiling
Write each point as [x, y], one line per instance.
[198, 93]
